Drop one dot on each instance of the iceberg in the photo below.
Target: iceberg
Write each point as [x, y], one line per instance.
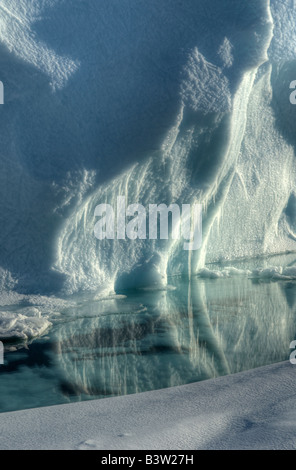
[180, 103]
[175, 104]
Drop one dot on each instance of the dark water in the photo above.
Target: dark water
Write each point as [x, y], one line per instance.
[152, 339]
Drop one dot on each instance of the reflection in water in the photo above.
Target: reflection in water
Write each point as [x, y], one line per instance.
[152, 340]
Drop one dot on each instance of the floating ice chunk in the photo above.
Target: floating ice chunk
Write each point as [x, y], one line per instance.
[225, 53]
[209, 273]
[275, 273]
[284, 32]
[205, 87]
[22, 326]
[226, 272]
[290, 271]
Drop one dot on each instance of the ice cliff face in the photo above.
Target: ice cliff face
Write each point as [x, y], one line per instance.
[159, 101]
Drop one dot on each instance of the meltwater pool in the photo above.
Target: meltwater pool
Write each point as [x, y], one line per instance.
[145, 340]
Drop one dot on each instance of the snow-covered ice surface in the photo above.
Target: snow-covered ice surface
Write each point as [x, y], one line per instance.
[250, 410]
[159, 102]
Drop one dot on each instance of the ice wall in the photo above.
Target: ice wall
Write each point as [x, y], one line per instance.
[158, 101]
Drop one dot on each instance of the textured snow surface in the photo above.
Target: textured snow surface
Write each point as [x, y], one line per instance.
[249, 410]
[283, 45]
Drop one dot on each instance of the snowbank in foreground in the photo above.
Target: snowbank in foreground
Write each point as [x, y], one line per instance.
[250, 410]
